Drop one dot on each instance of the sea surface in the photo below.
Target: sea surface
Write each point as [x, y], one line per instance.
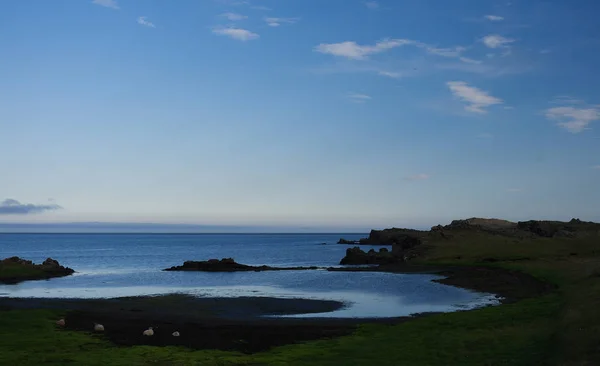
[115, 265]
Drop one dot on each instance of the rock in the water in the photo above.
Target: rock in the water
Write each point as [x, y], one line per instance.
[228, 265]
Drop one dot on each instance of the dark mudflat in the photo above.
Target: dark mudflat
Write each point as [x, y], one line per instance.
[211, 333]
[238, 324]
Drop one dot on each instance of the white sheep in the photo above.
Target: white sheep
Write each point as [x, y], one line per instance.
[148, 332]
[60, 322]
[98, 327]
[175, 334]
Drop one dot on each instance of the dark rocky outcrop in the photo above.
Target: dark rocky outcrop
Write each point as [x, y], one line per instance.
[404, 237]
[344, 241]
[547, 229]
[358, 256]
[15, 270]
[229, 265]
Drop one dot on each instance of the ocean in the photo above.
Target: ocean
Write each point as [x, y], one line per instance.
[116, 265]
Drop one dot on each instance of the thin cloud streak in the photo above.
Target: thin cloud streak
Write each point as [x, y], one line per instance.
[477, 99]
[107, 3]
[144, 21]
[236, 33]
[417, 177]
[13, 207]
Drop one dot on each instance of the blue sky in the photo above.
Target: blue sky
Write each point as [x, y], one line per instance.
[296, 113]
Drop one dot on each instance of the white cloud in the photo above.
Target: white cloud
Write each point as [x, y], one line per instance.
[276, 22]
[494, 18]
[445, 52]
[359, 98]
[107, 3]
[390, 74]
[476, 99]
[496, 41]
[236, 33]
[144, 21]
[470, 60]
[565, 99]
[234, 16]
[372, 5]
[352, 50]
[421, 176]
[234, 2]
[574, 120]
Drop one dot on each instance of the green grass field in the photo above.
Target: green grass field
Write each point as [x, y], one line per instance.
[15, 271]
[562, 328]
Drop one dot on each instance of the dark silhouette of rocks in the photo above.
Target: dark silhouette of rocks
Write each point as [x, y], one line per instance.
[358, 256]
[229, 265]
[344, 241]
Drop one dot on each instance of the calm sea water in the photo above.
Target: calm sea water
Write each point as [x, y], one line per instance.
[114, 265]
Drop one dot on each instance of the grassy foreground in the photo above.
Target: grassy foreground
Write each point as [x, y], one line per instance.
[562, 328]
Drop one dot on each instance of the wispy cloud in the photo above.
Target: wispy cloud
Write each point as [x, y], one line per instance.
[566, 99]
[373, 5]
[239, 34]
[234, 16]
[276, 22]
[477, 99]
[144, 21]
[470, 60]
[260, 7]
[359, 98]
[352, 50]
[496, 41]
[390, 74]
[445, 52]
[421, 176]
[13, 207]
[233, 2]
[107, 3]
[573, 119]
[494, 18]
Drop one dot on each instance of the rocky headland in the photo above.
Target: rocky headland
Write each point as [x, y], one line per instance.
[14, 270]
[408, 243]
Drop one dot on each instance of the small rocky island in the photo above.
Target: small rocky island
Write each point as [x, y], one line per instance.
[229, 265]
[14, 270]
